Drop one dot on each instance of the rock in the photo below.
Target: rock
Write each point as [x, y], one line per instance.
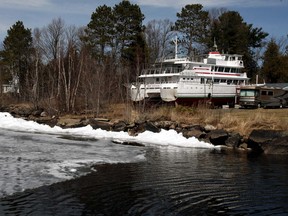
[194, 131]
[142, 127]
[233, 140]
[268, 141]
[209, 128]
[70, 123]
[23, 111]
[128, 143]
[95, 124]
[165, 124]
[243, 146]
[218, 137]
[47, 121]
[37, 113]
[277, 146]
[43, 114]
[151, 127]
[119, 126]
[259, 137]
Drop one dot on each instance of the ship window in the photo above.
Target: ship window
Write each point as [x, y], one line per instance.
[216, 80]
[157, 79]
[202, 80]
[263, 92]
[216, 68]
[270, 93]
[227, 69]
[233, 70]
[223, 81]
[221, 69]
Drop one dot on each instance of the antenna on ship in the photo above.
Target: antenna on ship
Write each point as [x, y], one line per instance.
[176, 46]
[215, 45]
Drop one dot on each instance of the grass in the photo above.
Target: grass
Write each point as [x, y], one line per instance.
[242, 121]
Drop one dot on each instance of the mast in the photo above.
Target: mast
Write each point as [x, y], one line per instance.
[176, 47]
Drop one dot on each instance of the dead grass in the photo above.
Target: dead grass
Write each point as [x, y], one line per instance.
[242, 121]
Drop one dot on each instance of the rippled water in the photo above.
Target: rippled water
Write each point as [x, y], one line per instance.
[171, 181]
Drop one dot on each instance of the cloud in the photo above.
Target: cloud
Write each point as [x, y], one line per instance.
[210, 3]
[27, 4]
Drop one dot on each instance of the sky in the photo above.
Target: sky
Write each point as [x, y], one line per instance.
[270, 15]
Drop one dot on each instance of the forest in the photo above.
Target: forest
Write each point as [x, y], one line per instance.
[68, 69]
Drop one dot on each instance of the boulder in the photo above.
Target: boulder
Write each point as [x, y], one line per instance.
[194, 131]
[95, 124]
[234, 140]
[150, 126]
[218, 136]
[119, 126]
[268, 141]
[47, 121]
[165, 124]
[277, 146]
[141, 127]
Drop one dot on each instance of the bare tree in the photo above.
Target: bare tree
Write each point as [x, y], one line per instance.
[52, 36]
[72, 67]
[159, 35]
[38, 52]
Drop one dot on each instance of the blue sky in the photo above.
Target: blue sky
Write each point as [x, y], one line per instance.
[271, 15]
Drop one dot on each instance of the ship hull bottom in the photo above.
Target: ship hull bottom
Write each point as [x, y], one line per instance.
[213, 102]
[189, 101]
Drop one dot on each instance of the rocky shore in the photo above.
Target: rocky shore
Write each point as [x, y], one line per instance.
[258, 141]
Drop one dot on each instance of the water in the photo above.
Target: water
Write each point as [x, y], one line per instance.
[62, 174]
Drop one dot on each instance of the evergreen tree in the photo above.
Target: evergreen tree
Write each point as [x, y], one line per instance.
[129, 29]
[101, 31]
[274, 68]
[192, 23]
[233, 35]
[16, 53]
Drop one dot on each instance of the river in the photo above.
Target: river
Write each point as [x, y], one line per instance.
[48, 171]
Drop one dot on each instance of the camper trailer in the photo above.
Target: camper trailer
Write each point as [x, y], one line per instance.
[266, 96]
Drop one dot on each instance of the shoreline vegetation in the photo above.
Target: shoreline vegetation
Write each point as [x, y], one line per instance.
[257, 130]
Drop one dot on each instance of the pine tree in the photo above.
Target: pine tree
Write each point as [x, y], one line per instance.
[101, 31]
[271, 69]
[192, 23]
[235, 36]
[16, 53]
[129, 29]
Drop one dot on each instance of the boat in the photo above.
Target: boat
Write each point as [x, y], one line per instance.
[214, 79]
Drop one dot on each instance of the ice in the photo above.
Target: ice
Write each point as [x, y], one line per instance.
[164, 138]
[33, 155]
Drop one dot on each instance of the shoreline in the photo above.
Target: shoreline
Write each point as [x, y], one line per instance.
[258, 141]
